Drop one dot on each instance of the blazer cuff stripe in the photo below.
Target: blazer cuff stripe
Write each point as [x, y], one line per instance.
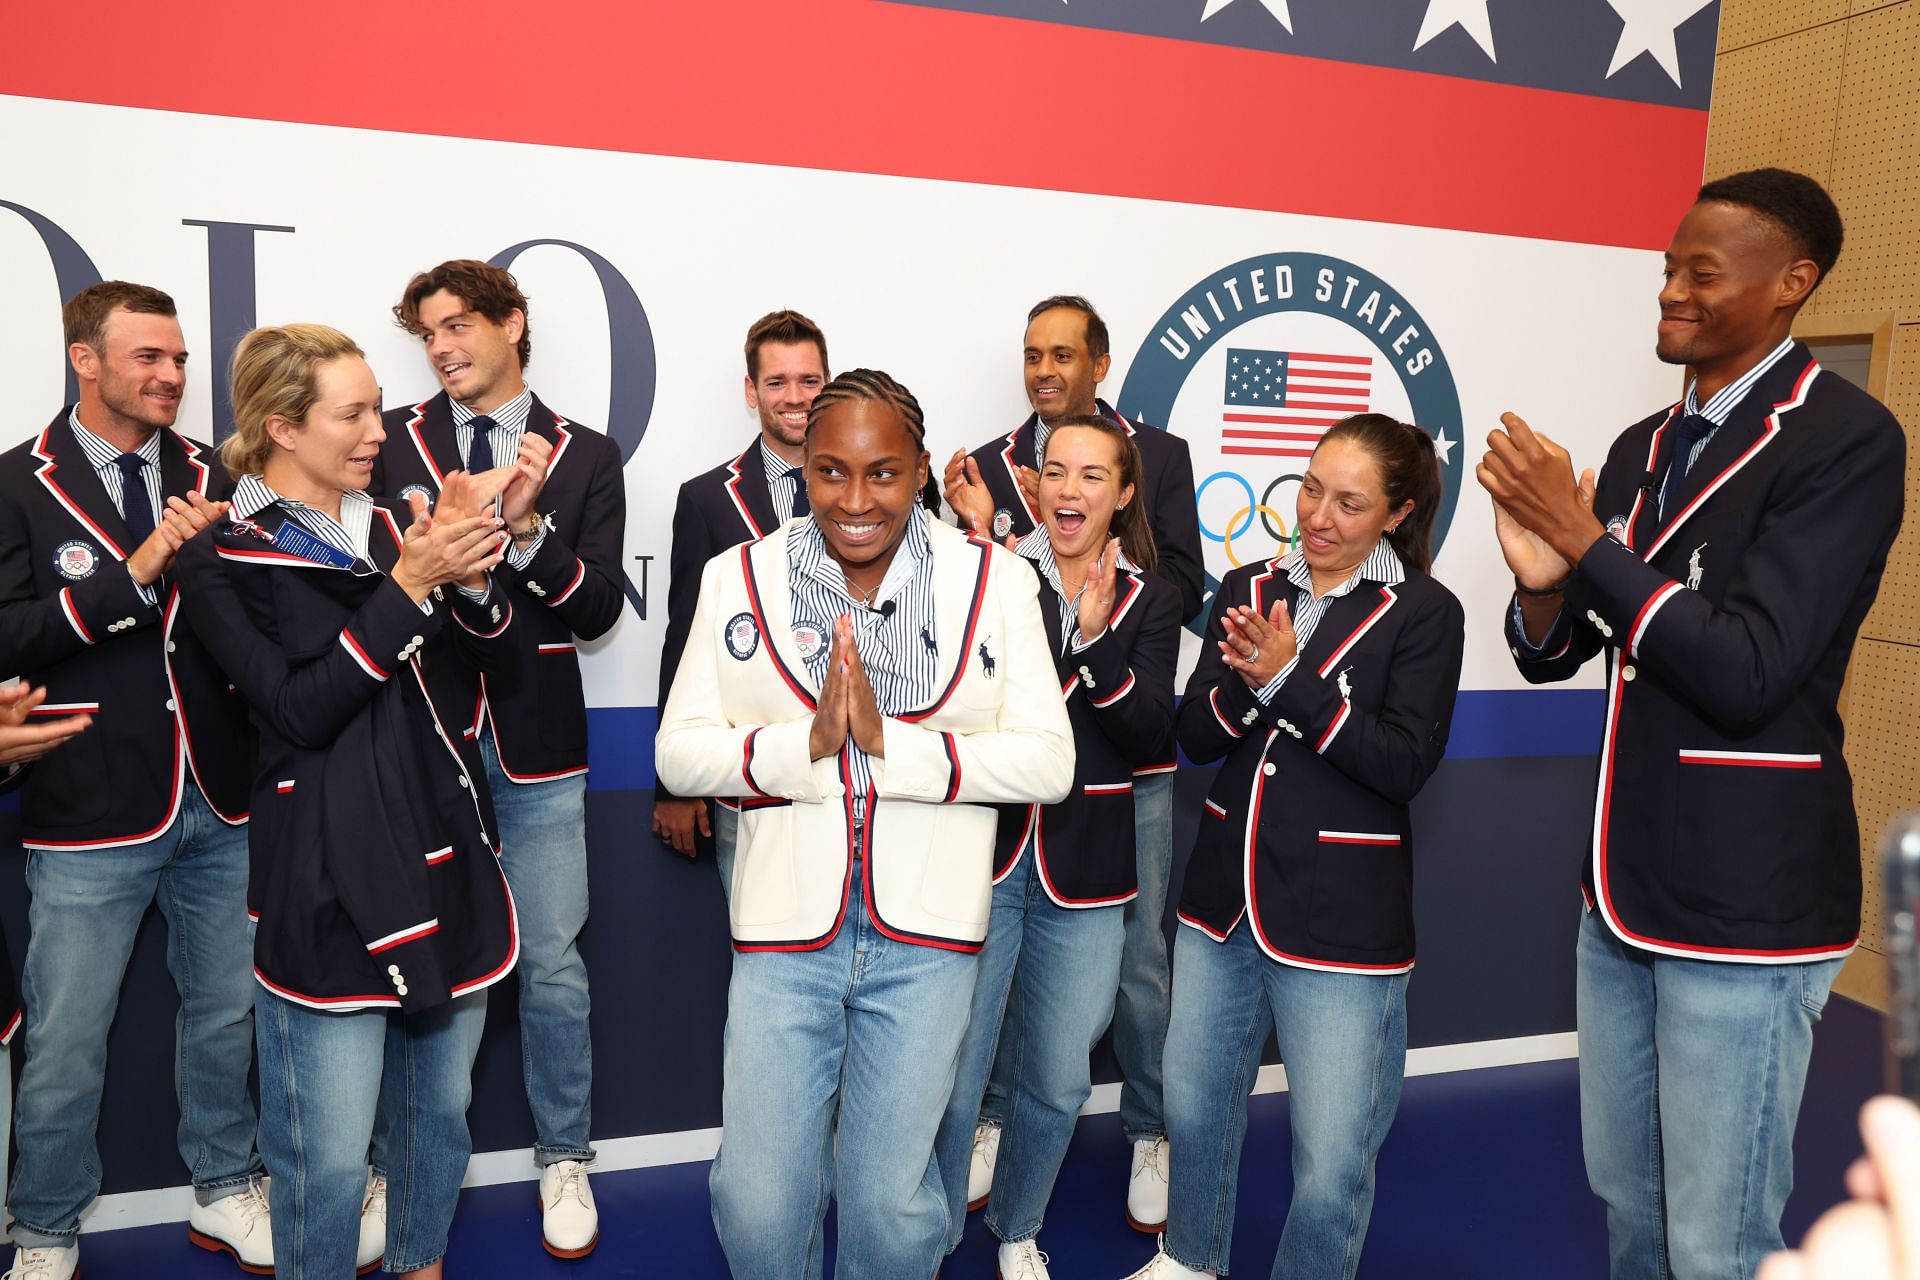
[73, 616]
[579, 576]
[746, 766]
[1117, 694]
[1647, 610]
[361, 656]
[1213, 704]
[953, 764]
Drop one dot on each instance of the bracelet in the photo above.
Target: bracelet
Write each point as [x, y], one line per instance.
[1557, 588]
[530, 535]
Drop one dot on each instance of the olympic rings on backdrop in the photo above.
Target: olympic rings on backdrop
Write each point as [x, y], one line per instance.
[1279, 535]
[1265, 512]
[1246, 511]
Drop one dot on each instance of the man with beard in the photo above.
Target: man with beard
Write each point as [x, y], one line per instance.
[564, 580]
[148, 807]
[742, 499]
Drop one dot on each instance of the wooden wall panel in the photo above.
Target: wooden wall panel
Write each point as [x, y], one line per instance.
[1746, 22]
[1776, 103]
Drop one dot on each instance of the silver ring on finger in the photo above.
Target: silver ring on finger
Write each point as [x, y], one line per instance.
[1255, 655]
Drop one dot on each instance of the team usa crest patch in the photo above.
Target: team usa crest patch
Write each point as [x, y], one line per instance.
[76, 560]
[406, 495]
[1002, 523]
[808, 639]
[743, 636]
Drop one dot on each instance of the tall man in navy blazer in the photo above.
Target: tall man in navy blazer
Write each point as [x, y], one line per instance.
[1721, 566]
[564, 570]
[741, 500]
[1065, 355]
[147, 807]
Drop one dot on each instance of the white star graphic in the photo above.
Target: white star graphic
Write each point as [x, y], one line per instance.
[1443, 447]
[1649, 29]
[1469, 15]
[1278, 8]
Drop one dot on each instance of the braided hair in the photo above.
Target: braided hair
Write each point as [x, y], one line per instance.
[872, 384]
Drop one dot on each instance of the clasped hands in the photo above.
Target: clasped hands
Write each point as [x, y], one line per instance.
[1258, 646]
[846, 706]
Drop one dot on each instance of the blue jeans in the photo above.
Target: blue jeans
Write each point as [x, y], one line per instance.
[726, 834]
[1066, 964]
[1691, 1073]
[323, 1079]
[1140, 1012]
[86, 906]
[543, 841]
[1344, 1039]
[867, 1028]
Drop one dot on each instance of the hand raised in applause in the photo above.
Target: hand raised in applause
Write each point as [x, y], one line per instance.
[1097, 595]
[1257, 647]
[447, 548]
[180, 519]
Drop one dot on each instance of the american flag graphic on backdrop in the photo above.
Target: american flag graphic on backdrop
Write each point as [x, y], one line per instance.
[1279, 403]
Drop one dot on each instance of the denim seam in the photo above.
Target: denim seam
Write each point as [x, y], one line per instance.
[1762, 1145]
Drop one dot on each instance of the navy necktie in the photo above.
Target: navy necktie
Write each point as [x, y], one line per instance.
[1689, 432]
[136, 507]
[480, 448]
[799, 477]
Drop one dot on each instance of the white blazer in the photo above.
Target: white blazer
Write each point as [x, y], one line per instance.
[740, 714]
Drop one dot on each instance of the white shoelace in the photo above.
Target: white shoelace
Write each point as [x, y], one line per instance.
[252, 1203]
[569, 1186]
[33, 1262]
[982, 1135]
[376, 1201]
[1029, 1260]
[1150, 1160]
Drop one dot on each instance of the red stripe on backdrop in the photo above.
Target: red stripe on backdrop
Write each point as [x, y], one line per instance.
[862, 86]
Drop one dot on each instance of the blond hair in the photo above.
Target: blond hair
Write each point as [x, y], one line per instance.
[275, 374]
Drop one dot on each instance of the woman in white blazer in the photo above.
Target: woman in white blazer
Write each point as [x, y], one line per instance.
[868, 683]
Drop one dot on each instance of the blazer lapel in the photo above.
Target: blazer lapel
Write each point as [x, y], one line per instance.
[430, 434]
[1345, 620]
[751, 488]
[182, 468]
[771, 596]
[69, 477]
[1751, 427]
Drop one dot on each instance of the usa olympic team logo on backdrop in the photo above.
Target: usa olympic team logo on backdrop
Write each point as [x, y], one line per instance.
[1255, 362]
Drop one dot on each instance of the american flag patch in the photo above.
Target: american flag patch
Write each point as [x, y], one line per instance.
[1279, 403]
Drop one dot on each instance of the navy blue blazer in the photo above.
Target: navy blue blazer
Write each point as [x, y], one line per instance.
[374, 870]
[716, 510]
[1119, 693]
[573, 586]
[1724, 826]
[1309, 811]
[71, 619]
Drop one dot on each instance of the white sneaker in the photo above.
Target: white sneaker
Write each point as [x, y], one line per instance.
[373, 1226]
[1022, 1261]
[569, 1222]
[1163, 1267]
[240, 1225]
[1147, 1186]
[986, 1149]
[44, 1264]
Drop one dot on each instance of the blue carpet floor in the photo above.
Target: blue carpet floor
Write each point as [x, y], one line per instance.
[1481, 1178]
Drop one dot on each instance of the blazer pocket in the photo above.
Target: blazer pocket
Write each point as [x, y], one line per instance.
[956, 881]
[765, 887]
[1362, 890]
[1729, 804]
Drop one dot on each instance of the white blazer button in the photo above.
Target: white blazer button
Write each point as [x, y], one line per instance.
[393, 970]
[1628, 673]
[464, 782]
[169, 646]
[417, 642]
[401, 989]
[1267, 768]
[170, 704]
